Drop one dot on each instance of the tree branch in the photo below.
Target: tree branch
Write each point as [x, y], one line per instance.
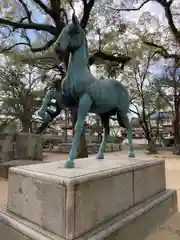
[44, 7]
[39, 49]
[101, 55]
[156, 46]
[14, 45]
[46, 46]
[130, 9]
[59, 15]
[150, 56]
[36, 26]
[28, 13]
[167, 8]
[162, 51]
[87, 10]
[137, 113]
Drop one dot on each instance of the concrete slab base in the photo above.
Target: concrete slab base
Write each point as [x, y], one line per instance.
[96, 200]
[135, 224]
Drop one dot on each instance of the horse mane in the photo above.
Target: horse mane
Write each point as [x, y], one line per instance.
[86, 45]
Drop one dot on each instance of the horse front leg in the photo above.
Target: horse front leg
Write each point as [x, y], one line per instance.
[105, 123]
[83, 109]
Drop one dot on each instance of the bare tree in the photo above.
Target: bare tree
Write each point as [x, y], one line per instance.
[168, 86]
[145, 101]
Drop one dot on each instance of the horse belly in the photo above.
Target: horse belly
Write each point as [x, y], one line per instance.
[102, 102]
[102, 105]
[100, 110]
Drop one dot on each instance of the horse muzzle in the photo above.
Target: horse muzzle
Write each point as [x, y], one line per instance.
[37, 118]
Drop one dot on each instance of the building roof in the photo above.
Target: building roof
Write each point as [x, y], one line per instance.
[160, 115]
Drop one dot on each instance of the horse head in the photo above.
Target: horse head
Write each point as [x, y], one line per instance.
[71, 37]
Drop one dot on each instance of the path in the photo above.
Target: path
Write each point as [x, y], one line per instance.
[171, 229]
[3, 192]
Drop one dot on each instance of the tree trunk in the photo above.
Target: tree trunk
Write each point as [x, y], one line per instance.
[175, 122]
[82, 148]
[66, 123]
[26, 126]
[152, 148]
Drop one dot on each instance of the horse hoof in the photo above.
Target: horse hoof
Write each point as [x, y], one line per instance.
[100, 156]
[69, 164]
[131, 154]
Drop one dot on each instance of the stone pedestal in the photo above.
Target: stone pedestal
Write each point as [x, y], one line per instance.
[109, 199]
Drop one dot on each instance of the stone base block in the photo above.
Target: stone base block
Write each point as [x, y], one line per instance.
[79, 203]
[133, 224]
[71, 202]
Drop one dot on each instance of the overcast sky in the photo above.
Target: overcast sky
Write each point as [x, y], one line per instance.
[152, 7]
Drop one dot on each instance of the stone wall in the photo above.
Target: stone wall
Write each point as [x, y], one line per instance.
[92, 148]
[20, 146]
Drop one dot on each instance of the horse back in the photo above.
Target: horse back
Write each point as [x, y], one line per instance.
[107, 94]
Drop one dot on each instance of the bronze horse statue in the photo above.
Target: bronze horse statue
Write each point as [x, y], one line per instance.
[79, 88]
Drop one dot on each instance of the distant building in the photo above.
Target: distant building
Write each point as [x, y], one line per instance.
[164, 119]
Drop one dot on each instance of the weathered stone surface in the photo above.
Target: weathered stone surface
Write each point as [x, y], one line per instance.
[71, 202]
[20, 146]
[97, 201]
[148, 181]
[28, 147]
[14, 228]
[135, 223]
[47, 198]
[7, 147]
[141, 226]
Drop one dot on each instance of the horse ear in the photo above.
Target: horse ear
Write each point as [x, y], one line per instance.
[75, 19]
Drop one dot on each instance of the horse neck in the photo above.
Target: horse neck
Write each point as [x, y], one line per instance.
[78, 60]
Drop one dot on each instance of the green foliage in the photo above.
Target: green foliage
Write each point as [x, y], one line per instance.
[20, 92]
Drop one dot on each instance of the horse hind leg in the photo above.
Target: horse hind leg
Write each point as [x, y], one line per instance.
[123, 121]
[105, 123]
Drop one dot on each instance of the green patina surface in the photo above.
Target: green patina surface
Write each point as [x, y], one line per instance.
[81, 89]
